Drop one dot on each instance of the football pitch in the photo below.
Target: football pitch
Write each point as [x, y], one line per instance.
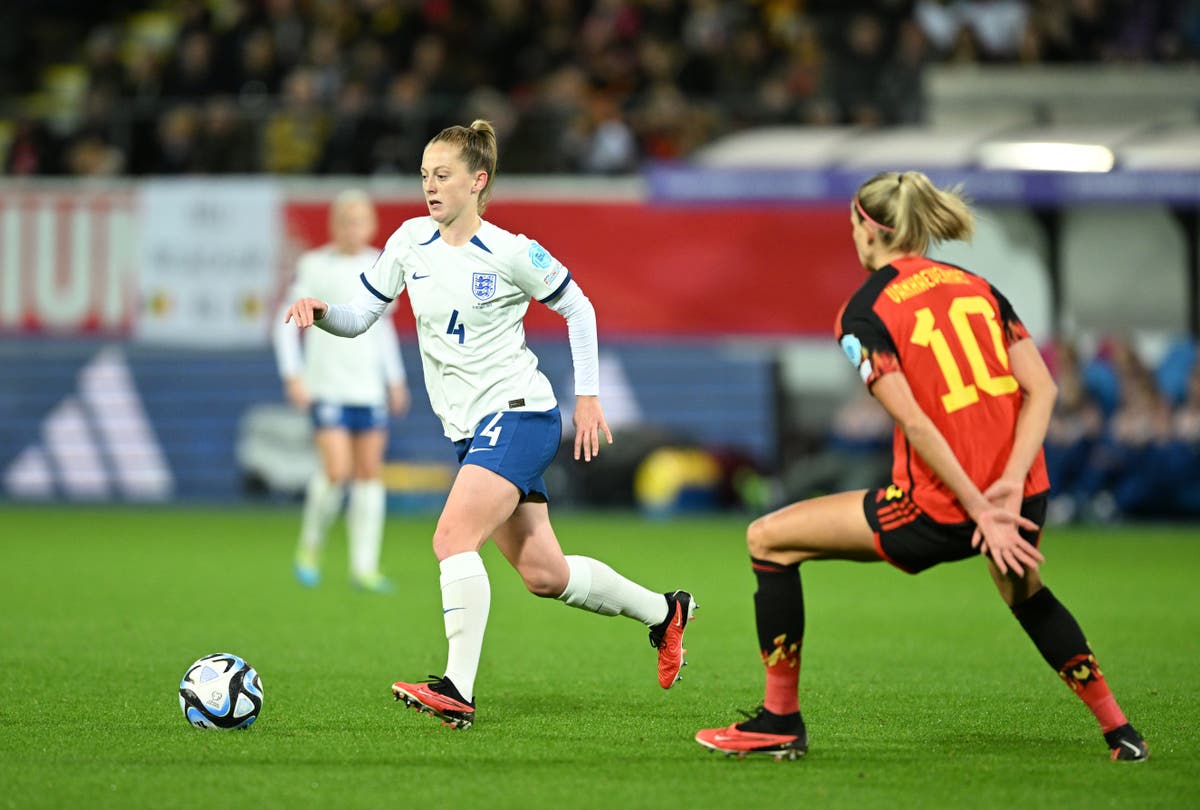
[917, 691]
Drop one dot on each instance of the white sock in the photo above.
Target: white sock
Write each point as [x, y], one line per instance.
[364, 525]
[322, 502]
[596, 587]
[466, 599]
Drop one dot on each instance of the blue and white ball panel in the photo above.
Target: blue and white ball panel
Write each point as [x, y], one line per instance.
[516, 445]
[220, 691]
[354, 418]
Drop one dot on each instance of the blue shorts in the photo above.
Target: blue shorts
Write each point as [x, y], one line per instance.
[517, 445]
[354, 418]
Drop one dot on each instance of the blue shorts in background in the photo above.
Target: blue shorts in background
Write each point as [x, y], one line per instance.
[354, 418]
[517, 445]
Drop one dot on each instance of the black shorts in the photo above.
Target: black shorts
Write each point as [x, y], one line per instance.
[910, 540]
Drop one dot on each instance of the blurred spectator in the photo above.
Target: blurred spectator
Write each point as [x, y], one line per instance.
[294, 136]
[33, 149]
[607, 144]
[288, 29]
[368, 63]
[102, 61]
[258, 73]
[858, 72]
[404, 124]
[325, 62]
[1066, 32]
[178, 141]
[501, 42]
[539, 142]
[348, 149]
[1075, 427]
[705, 37]
[92, 156]
[900, 91]
[191, 76]
[226, 146]
[1125, 475]
[1174, 371]
[993, 29]
[1183, 452]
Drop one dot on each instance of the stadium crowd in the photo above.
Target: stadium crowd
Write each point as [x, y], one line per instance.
[1124, 439]
[356, 86]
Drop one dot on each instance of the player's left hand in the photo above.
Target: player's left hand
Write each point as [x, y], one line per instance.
[589, 424]
[1006, 495]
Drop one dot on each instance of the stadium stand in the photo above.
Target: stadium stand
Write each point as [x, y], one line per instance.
[145, 88]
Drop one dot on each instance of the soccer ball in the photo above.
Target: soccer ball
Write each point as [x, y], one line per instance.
[220, 691]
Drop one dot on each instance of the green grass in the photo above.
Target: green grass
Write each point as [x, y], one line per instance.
[918, 691]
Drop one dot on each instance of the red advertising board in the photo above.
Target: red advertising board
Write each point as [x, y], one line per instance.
[68, 262]
[672, 270]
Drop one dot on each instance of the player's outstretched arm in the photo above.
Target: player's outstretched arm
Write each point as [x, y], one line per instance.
[344, 320]
[997, 525]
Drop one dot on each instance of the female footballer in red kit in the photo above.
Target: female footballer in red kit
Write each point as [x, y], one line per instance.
[944, 352]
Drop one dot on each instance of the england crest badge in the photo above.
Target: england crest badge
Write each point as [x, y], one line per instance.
[483, 285]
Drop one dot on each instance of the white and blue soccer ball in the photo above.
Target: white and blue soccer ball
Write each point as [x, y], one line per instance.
[220, 691]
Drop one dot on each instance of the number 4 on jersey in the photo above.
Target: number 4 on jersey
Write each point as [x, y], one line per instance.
[456, 328]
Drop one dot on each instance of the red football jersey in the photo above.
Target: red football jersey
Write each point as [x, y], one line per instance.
[949, 331]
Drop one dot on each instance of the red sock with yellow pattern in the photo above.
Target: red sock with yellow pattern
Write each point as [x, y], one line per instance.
[779, 616]
[1061, 642]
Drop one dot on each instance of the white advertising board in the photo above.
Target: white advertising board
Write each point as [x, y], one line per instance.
[208, 254]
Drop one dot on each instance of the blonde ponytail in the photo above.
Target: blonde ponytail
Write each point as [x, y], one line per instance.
[910, 212]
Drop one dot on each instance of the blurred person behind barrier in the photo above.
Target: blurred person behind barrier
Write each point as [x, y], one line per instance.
[348, 387]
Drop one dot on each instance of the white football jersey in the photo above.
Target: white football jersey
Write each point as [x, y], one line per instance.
[469, 303]
[337, 369]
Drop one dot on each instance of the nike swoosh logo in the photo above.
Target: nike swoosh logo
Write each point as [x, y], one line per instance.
[477, 450]
[750, 736]
[447, 610]
[1131, 746]
[414, 276]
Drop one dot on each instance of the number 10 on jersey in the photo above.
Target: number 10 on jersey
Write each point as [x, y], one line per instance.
[962, 393]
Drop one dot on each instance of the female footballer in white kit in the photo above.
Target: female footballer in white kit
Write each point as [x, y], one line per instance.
[470, 283]
[348, 387]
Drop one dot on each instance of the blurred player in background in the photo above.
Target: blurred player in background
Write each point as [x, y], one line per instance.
[947, 357]
[348, 387]
[470, 283]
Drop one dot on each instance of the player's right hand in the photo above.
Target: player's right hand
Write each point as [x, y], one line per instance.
[306, 311]
[996, 528]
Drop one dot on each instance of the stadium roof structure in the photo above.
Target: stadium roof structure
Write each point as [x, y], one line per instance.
[1037, 135]
[1034, 164]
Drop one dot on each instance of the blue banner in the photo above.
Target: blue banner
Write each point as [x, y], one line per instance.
[677, 183]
